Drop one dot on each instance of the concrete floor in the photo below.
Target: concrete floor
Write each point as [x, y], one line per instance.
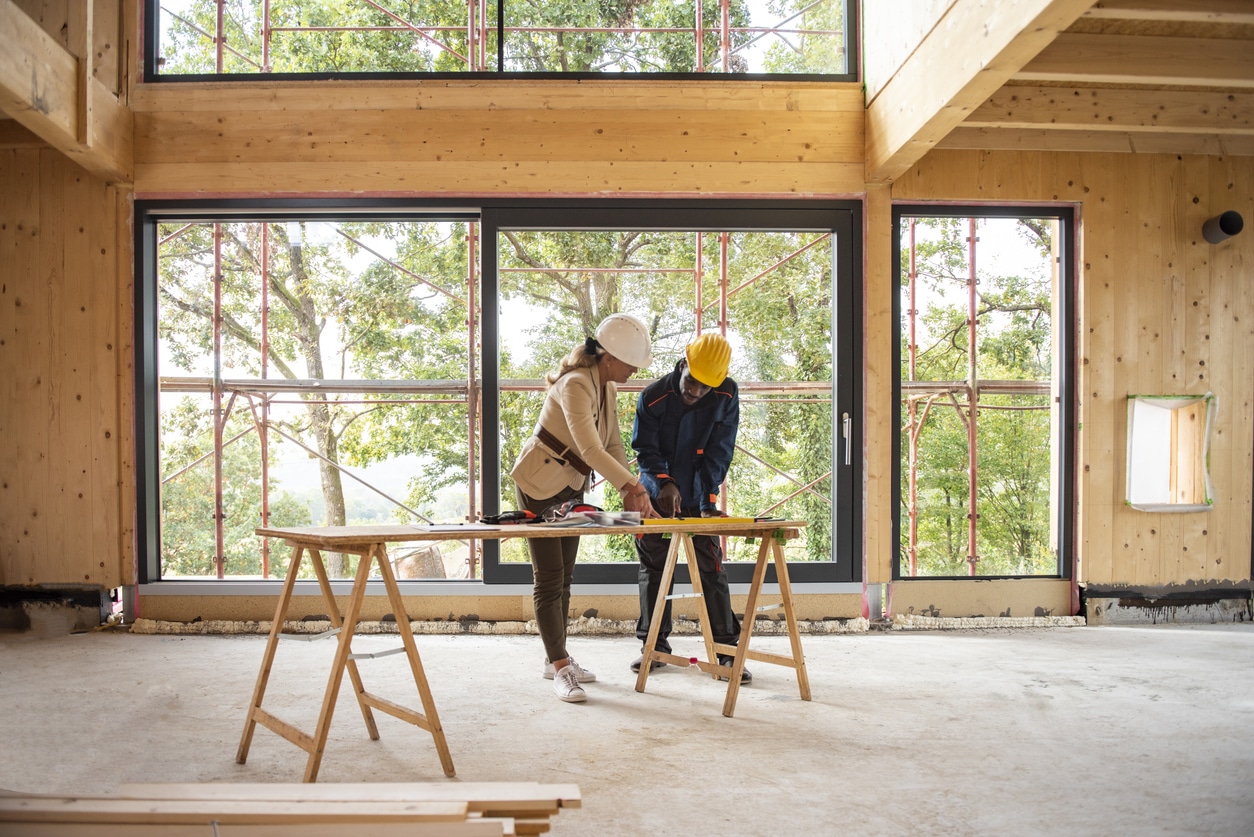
[1109, 731]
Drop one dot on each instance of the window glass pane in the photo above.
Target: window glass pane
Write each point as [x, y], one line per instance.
[338, 375]
[780, 320]
[198, 37]
[979, 383]
[769, 292]
[317, 36]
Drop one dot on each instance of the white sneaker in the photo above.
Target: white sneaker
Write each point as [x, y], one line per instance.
[567, 687]
[581, 673]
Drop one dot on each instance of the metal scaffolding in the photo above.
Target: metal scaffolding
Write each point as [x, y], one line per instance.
[263, 393]
[965, 397]
[480, 29]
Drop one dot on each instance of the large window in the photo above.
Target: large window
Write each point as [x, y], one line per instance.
[985, 408]
[334, 367]
[312, 371]
[213, 38]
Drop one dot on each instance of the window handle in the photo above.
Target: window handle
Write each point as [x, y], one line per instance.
[846, 428]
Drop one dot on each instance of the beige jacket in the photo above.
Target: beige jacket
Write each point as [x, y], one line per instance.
[573, 413]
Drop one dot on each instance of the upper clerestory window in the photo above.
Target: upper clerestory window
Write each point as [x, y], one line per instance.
[217, 39]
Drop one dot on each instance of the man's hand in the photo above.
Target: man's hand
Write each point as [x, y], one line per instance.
[668, 500]
[713, 513]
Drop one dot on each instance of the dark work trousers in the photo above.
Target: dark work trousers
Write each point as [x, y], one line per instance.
[651, 550]
[553, 564]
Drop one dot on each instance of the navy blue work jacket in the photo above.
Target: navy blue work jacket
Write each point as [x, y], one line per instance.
[691, 446]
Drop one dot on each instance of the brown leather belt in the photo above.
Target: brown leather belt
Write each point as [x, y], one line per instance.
[563, 452]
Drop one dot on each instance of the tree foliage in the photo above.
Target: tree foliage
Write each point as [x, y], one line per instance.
[548, 36]
[1014, 328]
[325, 321]
[188, 539]
[388, 302]
[780, 325]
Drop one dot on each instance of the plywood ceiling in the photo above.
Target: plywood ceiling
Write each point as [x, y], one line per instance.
[1152, 76]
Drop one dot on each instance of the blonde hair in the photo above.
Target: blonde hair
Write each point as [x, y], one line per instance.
[583, 356]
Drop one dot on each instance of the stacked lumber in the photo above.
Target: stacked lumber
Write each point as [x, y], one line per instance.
[413, 809]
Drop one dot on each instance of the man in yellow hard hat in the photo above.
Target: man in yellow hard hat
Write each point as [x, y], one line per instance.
[684, 435]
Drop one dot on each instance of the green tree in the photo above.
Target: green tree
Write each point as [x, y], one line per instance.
[326, 321]
[342, 36]
[188, 540]
[818, 49]
[784, 320]
[780, 321]
[553, 36]
[1014, 331]
[388, 302]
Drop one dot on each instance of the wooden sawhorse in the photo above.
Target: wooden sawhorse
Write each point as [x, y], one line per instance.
[369, 544]
[771, 533]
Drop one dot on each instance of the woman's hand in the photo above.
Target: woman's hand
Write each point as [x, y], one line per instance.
[636, 499]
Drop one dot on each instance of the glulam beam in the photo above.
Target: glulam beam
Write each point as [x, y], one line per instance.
[43, 88]
[975, 48]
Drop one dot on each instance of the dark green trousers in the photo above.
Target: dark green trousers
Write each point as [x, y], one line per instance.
[553, 565]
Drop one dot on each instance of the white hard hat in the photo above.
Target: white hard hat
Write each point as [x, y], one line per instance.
[626, 338]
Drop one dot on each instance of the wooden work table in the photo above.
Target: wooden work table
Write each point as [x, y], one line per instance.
[370, 543]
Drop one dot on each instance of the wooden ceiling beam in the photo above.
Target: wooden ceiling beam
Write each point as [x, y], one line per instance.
[1116, 109]
[14, 134]
[1038, 139]
[1179, 11]
[971, 52]
[1149, 60]
[41, 87]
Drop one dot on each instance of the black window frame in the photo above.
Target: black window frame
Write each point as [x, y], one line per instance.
[842, 218]
[152, 51]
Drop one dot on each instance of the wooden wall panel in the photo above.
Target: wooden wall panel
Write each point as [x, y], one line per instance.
[1161, 311]
[1231, 337]
[1137, 365]
[613, 95]
[19, 224]
[879, 421]
[47, 366]
[1198, 365]
[114, 399]
[1098, 462]
[495, 136]
[60, 454]
[32, 353]
[479, 138]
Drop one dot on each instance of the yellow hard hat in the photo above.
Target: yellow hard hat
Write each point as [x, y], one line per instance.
[708, 357]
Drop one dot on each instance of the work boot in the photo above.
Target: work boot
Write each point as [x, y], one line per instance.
[653, 665]
[745, 676]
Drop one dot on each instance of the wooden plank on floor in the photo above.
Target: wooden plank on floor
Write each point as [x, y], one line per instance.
[479, 796]
[469, 828]
[256, 812]
[531, 825]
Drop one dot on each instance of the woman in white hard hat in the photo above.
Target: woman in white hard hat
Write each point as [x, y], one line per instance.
[577, 433]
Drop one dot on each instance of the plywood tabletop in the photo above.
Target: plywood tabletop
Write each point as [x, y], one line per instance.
[345, 536]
